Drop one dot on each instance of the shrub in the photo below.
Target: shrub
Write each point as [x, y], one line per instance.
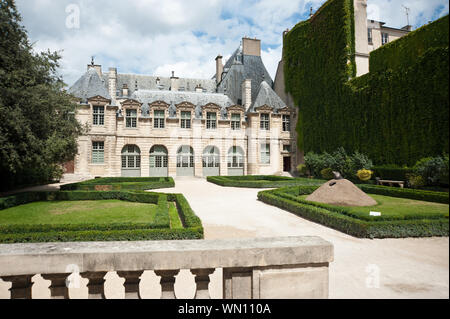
[302, 170]
[423, 195]
[261, 181]
[415, 181]
[364, 174]
[327, 173]
[434, 170]
[392, 172]
[121, 183]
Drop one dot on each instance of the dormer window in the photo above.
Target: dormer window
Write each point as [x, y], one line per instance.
[211, 120]
[99, 115]
[235, 121]
[159, 119]
[131, 118]
[265, 122]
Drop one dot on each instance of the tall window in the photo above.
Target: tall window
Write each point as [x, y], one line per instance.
[265, 153]
[265, 122]
[131, 118]
[98, 152]
[369, 35]
[211, 120]
[131, 157]
[235, 157]
[235, 121]
[99, 115]
[384, 38]
[185, 119]
[286, 123]
[159, 119]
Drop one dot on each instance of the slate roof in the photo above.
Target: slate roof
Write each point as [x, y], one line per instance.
[175, 97]
[267, 96]
[89, 85]
[147, 82]
[240, 67]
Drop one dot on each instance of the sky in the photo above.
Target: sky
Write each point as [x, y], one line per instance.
[155, 37]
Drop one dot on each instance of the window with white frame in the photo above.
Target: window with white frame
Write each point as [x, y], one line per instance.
[131, 118]
[235, 157]
[131, 157]
[265, 121]
[265, 153]
[235, 121]
[286, 123]
[159, 118]
[98, 152]
[99, 115]
[369, 35]
[211, 120]
[384, 38]
[185, 119]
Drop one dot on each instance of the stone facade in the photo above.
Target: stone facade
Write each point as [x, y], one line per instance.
[224, 136]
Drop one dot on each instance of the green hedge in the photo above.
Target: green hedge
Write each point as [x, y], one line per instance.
[261, 181]
[159, 230]
[122, 183]
[337, 219]
[399, 112]
[392, 172]
[417, 194]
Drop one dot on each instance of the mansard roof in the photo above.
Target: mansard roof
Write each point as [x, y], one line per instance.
[89, 85]
[147, 82]
[240, 67]
[267, 96]
[174, 98]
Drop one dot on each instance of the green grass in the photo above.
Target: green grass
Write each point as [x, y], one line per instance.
[398, 208]
[175, 221]
[79, 212]
[121, 183]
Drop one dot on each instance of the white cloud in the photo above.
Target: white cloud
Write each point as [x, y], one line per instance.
[157, 37]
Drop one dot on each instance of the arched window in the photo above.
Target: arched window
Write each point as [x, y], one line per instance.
[158, 156]
[131, 157]
[236, 157]
[185, 161]
[211, 157]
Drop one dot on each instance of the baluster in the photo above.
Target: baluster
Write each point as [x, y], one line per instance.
[131, 284]
[167, 283]
[202, 282]
[20, 286]
[96, 287]
[58, 287]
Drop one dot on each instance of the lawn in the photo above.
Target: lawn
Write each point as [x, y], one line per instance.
[79, 212]
[398, 208]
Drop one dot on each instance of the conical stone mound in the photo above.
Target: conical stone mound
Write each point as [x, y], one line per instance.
[341, 192]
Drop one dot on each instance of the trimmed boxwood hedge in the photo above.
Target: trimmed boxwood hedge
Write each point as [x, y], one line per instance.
[261, 181]
[159, 230]
[121, 183]
[392, 172]
[423, 195]
[340, 219]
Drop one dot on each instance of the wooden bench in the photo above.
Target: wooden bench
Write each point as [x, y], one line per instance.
[390, 183]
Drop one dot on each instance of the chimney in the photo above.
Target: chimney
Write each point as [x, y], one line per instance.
[112, 79]
[96, 67]
[247, 94]
[125, 90]
[173, 82]
[219, 69]
[251, 46]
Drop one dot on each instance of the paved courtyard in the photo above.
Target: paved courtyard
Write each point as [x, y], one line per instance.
[363, 268]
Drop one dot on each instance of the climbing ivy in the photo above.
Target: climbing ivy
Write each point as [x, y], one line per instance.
[396, 114]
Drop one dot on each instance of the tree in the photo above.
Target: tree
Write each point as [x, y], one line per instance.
[38, 129]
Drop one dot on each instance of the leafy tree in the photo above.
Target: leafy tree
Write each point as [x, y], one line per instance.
[38, 129]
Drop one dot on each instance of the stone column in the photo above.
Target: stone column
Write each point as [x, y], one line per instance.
[131, 284]
[167, 283]
[58, 287]
[96, 287]
[202, 282]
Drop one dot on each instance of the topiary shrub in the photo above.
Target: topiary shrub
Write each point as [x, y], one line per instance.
[327, 173]
[364, 175]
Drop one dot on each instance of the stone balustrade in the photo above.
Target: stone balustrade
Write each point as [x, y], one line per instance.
[260, 268]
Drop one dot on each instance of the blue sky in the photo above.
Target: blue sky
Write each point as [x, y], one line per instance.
[160, 36]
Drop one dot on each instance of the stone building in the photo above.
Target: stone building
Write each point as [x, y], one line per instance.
[232, 124]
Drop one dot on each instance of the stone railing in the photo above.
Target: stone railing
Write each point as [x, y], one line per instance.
[285, 267]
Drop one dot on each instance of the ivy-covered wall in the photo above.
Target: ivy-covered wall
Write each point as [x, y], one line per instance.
[396, 114]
